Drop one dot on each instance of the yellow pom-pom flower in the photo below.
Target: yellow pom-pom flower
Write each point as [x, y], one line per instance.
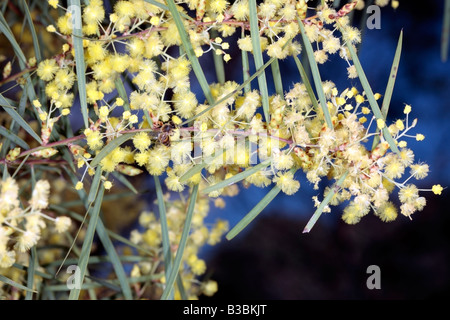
[380, 124]
[420, 137]
[62, 224]
[51, 28]
[141, 141]
[285, 181]
[64, 24]
[388, 212]
[407, 109]
[53, 3]
[437, 189]
[79, 185]
[94, 140]
[47, 69]
[107, 184]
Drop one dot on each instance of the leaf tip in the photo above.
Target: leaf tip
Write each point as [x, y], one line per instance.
[229, 236]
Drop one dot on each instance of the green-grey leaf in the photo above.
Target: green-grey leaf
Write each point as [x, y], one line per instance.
[85, 286]
[3, 8]
[249, 217]
[14, 138]
[122, 93]
[164, 227]
[184, 236]
[390, 85]
[257, 55]
[22, 123]
[315, 74]
[15, 284]
[115, 260]
[37, 48]
[275, 67]
[95, 260]
[7, 103]
[87, 243]
[148, 118]
[104, 234]
[77, 40]
[37, 272]
[312, 221]
[306, 82]
[199, 167]
[95, 185]
[370, 96]
[165, 237]
[245, 69]
[20, 165]
[219, 67]
[125, 182]
[110, 147]
[238, 177]
[104, 283]
[181, 288]
[218, 60]
[31, 272]
[109, 197]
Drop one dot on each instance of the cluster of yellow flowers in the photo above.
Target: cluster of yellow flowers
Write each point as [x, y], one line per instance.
[173, 133]
[303, 140]
[148, 236]
[21, 228]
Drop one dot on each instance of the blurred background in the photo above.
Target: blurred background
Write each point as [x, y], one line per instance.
[272, 259]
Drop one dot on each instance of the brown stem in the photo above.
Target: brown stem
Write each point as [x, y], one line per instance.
[38, 161]
[245, 23]
[140, 33]
[82, 136]
[64, 142]
[53, 144]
